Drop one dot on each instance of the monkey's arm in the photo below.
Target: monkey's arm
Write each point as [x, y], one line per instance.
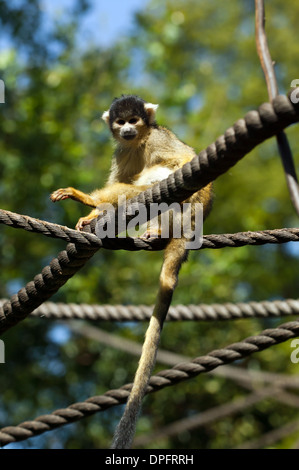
[72, 193]
[109, 194]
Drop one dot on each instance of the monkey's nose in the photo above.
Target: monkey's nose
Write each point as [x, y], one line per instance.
[128, 132]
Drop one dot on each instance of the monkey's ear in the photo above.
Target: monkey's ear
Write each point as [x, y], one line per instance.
[105, 116]
[151, 109]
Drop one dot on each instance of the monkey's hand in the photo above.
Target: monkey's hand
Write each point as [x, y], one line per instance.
[61, 194]
[75, 194]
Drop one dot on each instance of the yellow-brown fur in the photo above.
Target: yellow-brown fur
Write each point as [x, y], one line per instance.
[149, 155]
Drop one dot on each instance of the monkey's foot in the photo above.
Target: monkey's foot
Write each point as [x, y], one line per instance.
[151, 234]
[61, 194]
[82, 222]
[86, 220]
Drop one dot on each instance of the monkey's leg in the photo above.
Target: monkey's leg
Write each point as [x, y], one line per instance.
[109, 194]
[153, 229]
[175, 254]
[86, 220]
[72, 193]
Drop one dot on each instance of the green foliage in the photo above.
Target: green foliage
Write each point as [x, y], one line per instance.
[198, 61]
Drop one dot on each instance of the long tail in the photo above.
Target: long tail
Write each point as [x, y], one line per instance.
[175, 253]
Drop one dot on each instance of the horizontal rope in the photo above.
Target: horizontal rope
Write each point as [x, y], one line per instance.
[165, 378]
[30, 224]
[213, 241]
[201, 312]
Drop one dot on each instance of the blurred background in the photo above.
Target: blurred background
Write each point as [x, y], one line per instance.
[62, 63]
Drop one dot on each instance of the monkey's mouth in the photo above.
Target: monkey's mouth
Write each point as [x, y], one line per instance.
[129, 136]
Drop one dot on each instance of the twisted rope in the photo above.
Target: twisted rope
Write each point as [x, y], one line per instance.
[44, 285]
[30, 224]
[213, 241]
[165, 378]
[202, 312]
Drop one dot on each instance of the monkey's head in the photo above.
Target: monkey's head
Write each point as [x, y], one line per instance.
[130, 118]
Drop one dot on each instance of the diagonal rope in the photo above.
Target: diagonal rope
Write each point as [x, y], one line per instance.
[179, 373]
[44, 285]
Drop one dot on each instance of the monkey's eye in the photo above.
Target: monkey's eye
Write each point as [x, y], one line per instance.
[121, 122]
[133, 120]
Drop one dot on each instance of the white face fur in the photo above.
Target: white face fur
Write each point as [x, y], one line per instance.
[128, 128]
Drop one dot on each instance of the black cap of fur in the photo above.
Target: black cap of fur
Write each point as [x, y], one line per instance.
[127, 105]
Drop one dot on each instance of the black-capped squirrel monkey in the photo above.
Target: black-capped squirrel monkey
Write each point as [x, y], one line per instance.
[145, 154]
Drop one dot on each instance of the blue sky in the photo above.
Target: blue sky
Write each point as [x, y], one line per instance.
[106, 21]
